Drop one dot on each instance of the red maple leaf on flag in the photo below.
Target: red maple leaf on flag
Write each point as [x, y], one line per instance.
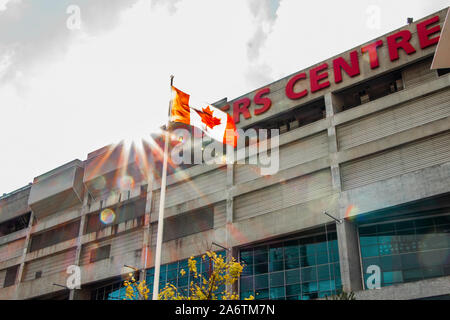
[207, 117]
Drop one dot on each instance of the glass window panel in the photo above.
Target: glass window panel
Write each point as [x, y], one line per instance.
[335, 256]
[433, 258]
[385, 238]
[392, 277]
[387, 227]
[322, 258]
[323, 272]
[368, 240]
[293, 276]
[308, 261]
[261, 281]
[261, 258]
[446, 270]
[308, 274]
[276, 253]
[325, 294]
[172, 274]
[292, 264]
[276, 266]
[386, 249]
[247, 270]
[425, 230]
[294, 289]
[321, 247]
[431, 272]
[260, 250]
[276, 293]
[183, 263]
[412, 275]
[310, 249]
[309, 287]
[261, 294]
[248, 260]
[276, 279]
[410, 261]
[423, 222]
[367, 230]
[444, 229]
[245, 294]
[442, 220]
[183, 281]
[369, 251]
[402, 225]
[390, 263]
[172, 266]
[291, 252]
[246, 284]
[261, 268]
[326, 285]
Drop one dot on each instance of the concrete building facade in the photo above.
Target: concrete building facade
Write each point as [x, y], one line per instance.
[364, 137]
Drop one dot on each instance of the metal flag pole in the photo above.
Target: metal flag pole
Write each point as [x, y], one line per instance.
[162, 204]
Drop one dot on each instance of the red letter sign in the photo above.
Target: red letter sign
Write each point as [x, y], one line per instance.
[424, 33]
[316, 77]
[340, 63]
[373, 55]
[394, 45]
[265, 102]
[290, 87]
[241, 106]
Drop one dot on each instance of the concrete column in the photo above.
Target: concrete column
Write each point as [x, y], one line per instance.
[24, 254]
[84, 210]
[146, 245]
[229, 215]
[346, 231]
[349, 256]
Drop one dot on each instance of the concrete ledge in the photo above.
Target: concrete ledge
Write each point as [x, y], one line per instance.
[408, 291]
[405, 188]
[284, 221]
[394, 140]
[13, 236]
[391, 100]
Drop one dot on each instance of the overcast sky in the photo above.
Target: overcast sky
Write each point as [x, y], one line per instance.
[69, 86]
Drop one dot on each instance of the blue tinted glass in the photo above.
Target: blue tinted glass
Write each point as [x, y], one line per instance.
[300, 260]
[326, 285]
[293, 276]
[308, 274]
[309, 287]
[262, 281]
[369, 251]
[276, 266]
[277, 293]
[276, 279]
[412, 275]
[323, 272]
[322, 258]
[294, 289]
[246, 284]
[292, 264]
[308, 261]
[368, 240]
[261, 294]
[276, 253]
[247, 270]
[261, 268]
[260, 258]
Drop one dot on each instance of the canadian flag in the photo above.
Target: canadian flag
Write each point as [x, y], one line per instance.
[214, 122]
